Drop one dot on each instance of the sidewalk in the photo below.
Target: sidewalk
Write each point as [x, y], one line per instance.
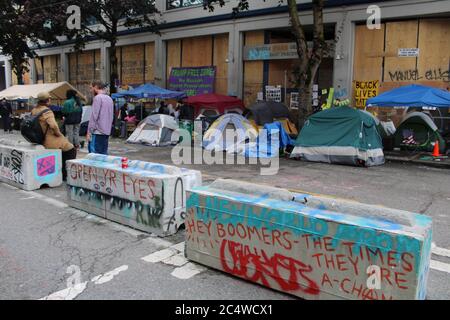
[423, 158]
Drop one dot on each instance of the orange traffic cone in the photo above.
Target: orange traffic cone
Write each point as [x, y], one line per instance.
[436, 152]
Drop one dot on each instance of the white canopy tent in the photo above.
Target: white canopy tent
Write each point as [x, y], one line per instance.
[25, 92]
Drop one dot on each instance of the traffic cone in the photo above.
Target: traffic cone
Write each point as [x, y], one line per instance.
[436, 152]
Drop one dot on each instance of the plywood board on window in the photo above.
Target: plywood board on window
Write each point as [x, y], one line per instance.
[173, 55]
[434, 42]
[253, 70]
[400, 34]
[369, 52]
[197, 52]
[220, 61]
[51, 68]
[133, 69]
[150, 62]
[38, 67]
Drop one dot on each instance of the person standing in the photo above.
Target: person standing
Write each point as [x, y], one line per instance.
[123, 114]
[72, 112]
[53, 138]
[5, 112]
[101, 121]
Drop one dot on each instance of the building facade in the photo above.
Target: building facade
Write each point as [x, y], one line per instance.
[254, 50]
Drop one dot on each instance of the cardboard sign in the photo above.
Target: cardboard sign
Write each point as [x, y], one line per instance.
[364, 90]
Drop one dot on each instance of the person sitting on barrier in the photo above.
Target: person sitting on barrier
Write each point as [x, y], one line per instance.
[53, 139]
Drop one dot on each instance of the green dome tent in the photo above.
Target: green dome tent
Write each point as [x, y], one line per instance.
[340, 135]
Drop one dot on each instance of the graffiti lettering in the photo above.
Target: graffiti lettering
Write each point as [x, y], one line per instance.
[257, 266]
[414, 75]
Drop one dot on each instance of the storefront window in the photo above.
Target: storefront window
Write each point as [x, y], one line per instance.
[174, 4]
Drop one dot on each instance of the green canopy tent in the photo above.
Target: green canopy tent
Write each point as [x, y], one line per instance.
[340, 135]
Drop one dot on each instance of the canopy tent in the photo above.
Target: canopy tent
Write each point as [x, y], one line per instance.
[340, 135]
[57, 91]
[217, 102]
[157, 130]
[149, 91]
[412, 96]
[229, 126]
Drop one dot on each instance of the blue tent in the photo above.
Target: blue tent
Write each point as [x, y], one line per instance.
[412, 96]
[150, 91]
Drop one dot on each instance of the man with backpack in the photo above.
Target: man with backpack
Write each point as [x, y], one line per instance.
[5, 112]
[43, 126]
[72, 112]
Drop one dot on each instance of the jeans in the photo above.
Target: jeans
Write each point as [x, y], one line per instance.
[73, 134]
[123, 129]
[99, 144]
[66, 156]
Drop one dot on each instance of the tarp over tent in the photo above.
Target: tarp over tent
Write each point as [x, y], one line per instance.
[157, 130]
[267, 112]
[340, 135]
[269, 142]
[218, 102]
[57, 91]
[412, 96]
[149, 91]
[216, 136]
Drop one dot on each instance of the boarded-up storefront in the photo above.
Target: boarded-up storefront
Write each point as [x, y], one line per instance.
[84, 68]
[201, 52]
[47, 69]
[136, 64]
[26, 76]
[270, 59]
[401, 53]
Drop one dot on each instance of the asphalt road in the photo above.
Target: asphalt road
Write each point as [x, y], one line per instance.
[44, 244]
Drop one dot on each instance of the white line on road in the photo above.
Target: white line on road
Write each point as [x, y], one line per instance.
[440, 251]
[107, 277]
[160, 255]
[188, 271]
[440, 266]
[67, 294]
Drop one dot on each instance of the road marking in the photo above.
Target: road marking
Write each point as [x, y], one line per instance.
[49, 200]
[188, 271]
[440, 251]
[67, 294]
[107, 277]
[173, 255]
[159, 243]
[440, 266]
[159, 256]
[75, 291]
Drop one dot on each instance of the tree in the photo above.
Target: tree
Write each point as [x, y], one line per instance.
[24, 25]
[104, 19]
[310, 60]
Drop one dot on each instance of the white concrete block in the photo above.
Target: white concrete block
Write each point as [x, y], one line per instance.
[29, 167]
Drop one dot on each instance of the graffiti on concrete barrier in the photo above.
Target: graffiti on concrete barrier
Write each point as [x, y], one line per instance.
[305, 251]
[46, 166]
[11, 166]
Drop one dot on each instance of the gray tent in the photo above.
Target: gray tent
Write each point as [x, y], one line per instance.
[157, 130]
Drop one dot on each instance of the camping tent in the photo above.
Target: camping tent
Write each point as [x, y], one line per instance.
[157, 130]
[218, 103]
[149, 91]
[266, 112]
[412, 96]
[227, 131]
[57, 91]
[340, 135]
[418, 132]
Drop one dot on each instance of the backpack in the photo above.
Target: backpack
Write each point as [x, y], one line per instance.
[31, 129]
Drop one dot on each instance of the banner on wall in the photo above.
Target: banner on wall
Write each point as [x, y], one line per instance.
[193, 81]
[364, 90]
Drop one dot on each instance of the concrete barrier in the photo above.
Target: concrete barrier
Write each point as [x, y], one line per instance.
[310, 247]
[28, 166]
[147, 196]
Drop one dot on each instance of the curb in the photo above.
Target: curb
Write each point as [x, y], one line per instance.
[440, 165]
